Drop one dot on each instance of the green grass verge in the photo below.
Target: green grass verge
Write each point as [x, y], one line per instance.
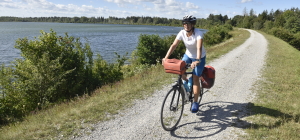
[277, 108]
[67, 120]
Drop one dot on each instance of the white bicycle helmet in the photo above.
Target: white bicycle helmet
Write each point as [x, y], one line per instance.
[189, 18]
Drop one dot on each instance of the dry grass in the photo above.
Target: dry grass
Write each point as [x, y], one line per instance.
[69, 119]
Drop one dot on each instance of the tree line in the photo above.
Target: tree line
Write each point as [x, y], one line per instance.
[143, 20]
[284, 24]
[110, 20]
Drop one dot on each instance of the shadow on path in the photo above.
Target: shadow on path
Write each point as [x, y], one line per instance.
[214, 117]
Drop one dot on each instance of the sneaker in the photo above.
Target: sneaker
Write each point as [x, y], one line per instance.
[185, 84]
[195, 107]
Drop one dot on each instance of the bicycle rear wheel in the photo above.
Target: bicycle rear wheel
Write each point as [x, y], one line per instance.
[172, 109]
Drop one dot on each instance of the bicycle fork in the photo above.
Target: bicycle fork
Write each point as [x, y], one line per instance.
[186, 94]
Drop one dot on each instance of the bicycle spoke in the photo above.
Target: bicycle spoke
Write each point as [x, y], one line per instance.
[172, 109]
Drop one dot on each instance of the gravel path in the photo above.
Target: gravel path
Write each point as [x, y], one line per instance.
[223, 107]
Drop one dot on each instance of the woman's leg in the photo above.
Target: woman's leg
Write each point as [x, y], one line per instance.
[196, 81]
[196, 87]
[187, 60]
[196, 77]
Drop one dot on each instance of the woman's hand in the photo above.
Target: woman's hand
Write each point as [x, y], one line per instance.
[163, 60]
[194, 64]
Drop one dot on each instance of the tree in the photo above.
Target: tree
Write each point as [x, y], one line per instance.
[245, 12]
[279, 21]
[263, 16]
[292, 24]
[252, 13]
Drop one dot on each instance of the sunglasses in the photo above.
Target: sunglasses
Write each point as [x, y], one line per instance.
[188, 23]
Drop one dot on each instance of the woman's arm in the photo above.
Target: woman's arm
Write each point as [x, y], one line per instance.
[199, 53]
[171, 49]
[199, 48]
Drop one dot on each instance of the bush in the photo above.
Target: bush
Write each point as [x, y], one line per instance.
[295, 42]
[282, 34]
[257, 25]
[152, 48]
[53, 69]
[149, 49]
[285, 35]
[106, 73]
[11, 106]
[268, 25]
[217, 34]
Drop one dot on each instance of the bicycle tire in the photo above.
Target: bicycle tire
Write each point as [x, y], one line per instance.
[172, 109]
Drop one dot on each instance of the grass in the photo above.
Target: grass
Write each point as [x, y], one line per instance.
[69, 120]
[239, 37]
[277, 107]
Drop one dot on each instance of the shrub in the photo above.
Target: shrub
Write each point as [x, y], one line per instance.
[105, 73]
[295, 42]
[285, 35]
[10, 101]
[282, 34]
[152, 48]
[53, 69]
[268, 25]
[149, 49]
[257, 25]
[217, 34]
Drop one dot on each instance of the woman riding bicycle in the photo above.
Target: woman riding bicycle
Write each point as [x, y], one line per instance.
[194, 54]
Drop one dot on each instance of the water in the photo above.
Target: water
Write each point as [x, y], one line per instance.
[104, 39]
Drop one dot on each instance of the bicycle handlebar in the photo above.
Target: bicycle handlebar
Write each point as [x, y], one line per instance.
[188, 65]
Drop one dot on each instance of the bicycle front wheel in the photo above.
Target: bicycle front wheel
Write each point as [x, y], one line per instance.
[172, 109]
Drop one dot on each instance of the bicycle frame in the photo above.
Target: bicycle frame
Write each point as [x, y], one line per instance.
[179, 86]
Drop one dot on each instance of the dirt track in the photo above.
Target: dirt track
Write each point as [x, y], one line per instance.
[221, 112]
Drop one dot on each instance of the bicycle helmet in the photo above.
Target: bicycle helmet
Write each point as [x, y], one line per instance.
[189, 18]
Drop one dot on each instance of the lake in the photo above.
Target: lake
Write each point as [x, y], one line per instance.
[104, 39]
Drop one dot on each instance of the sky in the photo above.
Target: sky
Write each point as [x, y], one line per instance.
[126, 8]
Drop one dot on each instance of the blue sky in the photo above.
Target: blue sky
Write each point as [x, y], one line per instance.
[153, 8]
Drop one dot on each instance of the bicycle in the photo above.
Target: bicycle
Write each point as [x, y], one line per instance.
[173, 104]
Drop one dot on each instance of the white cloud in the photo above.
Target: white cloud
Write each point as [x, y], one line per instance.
[10, 4]
[122, 2]
[154, 8]
[215, 12]
[171, 3]
[161, 8]
[244, 1]
[191, 5]
[45, 8]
